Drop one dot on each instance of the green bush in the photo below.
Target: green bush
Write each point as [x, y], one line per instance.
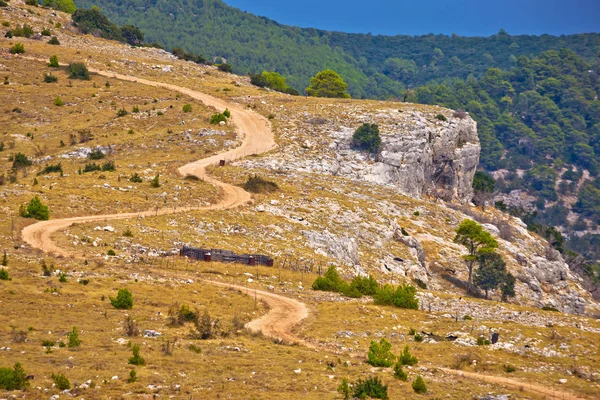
[370, 388]
[108, 166]
[48, 169]
[227, 113]
[73, 337]
[217, 118]
[123, 301]
[406, 358]
[58, 101]
[136, 178]
[53, 62]
[344, 389]
[509, 368]
[367, 137]
[46, 32]
[399, 372]
[403, 296]
[91, 167]
[78, 71]
[136, 359]
[20, 160]
[187, 108]
[419, 385]
[132, 376]
[155, 183]
[62, 277]
[18, 48]
[49, 78]
[54, 41]
[256, 184]
[135, 110]
[13, 379]
[481, 341]
[35, 209]
[23, 31]
[61, 381]
[122, 112]
[225, 68]
[330, 282]
[96, 154]
[366, 286]
[4, 275]
[380, 354]
[441, 117]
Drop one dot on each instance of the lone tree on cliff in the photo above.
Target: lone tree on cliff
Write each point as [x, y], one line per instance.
[477, 241]
[327, 83]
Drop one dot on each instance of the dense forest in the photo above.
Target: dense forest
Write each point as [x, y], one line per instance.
[535, 98]
[373, 66]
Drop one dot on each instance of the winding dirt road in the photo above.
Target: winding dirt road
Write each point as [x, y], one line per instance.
[257, 138]
[284, 312]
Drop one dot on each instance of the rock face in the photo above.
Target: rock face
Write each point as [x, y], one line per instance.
[427, 161]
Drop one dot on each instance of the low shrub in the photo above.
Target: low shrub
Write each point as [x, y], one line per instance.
[130, 326]
[155, 183]
[73, 338]
[509, 368]
[207, 327]
[13, 379]
[419, 385]
[406, 358]
[54, 41]
[18, 48]
[61, 381]
[49, 78]
[136, 178]
[399, 372]
[122, 112]
[20, 160]
[225, 68]
[123, 301]
[78, 71]
[4, 275]
[91, 167]
[365, 285]
[403, 296]
[371, 387]
[380, 354]
[132, 376]
[441, 117]
[367, 137]
[58, 101]
[51, 168]
[46, 32]
[35, 209]
[180, 314]
[481, 341]
[217, 118]
[256, 184]
[108, 166]
[96, 154]
[136, 359]
[187, 108]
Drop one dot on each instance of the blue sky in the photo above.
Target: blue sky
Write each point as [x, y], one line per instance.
[417, 17]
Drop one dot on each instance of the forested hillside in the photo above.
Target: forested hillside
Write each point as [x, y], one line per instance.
[535, 97]
[373, 66]
[539, 124]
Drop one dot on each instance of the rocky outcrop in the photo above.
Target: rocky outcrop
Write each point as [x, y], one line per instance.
[430, 161]
[420, 154]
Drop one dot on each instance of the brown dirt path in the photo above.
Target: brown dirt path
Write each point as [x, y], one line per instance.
[257, 138]
[524, 386]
